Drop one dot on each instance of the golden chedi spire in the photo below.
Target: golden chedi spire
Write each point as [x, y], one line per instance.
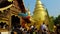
[39, 13]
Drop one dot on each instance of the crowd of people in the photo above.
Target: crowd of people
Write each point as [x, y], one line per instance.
[32, 30]
[21, 30]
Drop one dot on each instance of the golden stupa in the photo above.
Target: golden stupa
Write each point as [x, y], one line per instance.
[39, 14]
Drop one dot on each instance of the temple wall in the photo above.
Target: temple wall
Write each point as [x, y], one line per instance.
[14, 9]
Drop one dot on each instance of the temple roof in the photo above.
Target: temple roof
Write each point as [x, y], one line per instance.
[18, 3]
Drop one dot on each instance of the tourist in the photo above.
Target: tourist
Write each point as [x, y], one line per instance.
[58, 28]
[44, 27]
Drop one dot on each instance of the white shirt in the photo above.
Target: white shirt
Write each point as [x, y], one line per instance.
[43, 27]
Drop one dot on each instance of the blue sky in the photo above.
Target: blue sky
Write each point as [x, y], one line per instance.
[53, 6]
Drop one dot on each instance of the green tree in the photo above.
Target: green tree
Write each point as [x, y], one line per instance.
[57, 20]
[51, 23]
